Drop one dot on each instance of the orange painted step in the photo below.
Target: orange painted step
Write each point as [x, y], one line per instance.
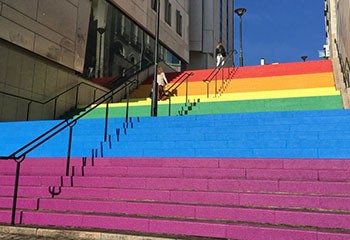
[296, 68]
[303, 81]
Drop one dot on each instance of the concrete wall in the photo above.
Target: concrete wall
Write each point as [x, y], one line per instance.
[25, 78]
[42, 46]
[343, 27]
[54, 29]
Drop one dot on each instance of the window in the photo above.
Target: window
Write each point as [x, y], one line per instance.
[154, 5]
[167, 12]
[178, 22]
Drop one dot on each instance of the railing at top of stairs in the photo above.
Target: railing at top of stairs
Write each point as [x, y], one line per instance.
[215, 72]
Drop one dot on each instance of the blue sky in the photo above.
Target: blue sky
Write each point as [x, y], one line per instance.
[280, 30]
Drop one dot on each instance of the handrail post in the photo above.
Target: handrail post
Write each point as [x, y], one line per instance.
[54, 108]
[95, 94]
[216, 83]
[28, 109]
[186, 91]
[77, 96]
[106, 121]
[70, 137]
[169, 113]
[127, 104]
[207, 89]
[15, 191]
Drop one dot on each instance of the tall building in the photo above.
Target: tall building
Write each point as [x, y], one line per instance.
[211, 21]
[338, 43]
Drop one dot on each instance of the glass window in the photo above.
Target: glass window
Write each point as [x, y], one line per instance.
[178, 22]
[154, 5]
[168, 12]
[121, 49]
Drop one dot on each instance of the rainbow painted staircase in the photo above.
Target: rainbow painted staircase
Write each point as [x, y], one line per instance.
[265, 158]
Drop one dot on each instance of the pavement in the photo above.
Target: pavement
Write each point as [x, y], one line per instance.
[32, 233]
[9, 236]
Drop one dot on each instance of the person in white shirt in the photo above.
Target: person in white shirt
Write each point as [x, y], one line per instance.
[220, 54]
[162, 81]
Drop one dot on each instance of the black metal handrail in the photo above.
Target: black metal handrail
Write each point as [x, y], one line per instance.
[30, 101]
[344, 66]
[213, 74]
[170, 91]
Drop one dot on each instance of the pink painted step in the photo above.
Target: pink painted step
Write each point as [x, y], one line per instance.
[38, 166]
[268, 216]
[188, 228]
[184, 196]
[31, 180]
[226, 163]
[27, 191]
[220, 198]
[216, 184]
[217, 173]
[6, 216]
[22, 203]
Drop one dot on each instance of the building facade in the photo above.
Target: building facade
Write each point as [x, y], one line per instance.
[338, 43]
[211, 21]
[50, 51]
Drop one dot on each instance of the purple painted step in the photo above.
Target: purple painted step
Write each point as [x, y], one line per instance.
[27, 191]
[184, 196]
[188, 228]
[38, 166]
[6, 216]
[22, 203]
[217, 173]
[267, 216]
[226, 163]
[271, 169]
[215, 184]
[32, 180]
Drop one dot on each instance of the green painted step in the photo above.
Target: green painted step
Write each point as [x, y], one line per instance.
[135, 111]
[265, 105]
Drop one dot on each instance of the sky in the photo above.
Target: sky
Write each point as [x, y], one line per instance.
[280, 30]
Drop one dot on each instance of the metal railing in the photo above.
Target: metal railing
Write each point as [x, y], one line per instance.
[55, 98]
[217, 70]
[344, 66]
[173, 88]
[19, 155]
[69, 123]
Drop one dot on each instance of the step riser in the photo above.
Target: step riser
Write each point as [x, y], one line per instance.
[214, 198]
[173, 227]
[315, 219]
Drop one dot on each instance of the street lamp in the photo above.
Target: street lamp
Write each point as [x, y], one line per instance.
[240, 12]
[101, 31]
[154, 100]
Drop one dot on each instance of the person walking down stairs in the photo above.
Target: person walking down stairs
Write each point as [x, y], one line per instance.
[220, 53]
[162, 82]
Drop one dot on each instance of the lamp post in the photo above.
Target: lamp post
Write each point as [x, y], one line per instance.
[154, 105]
[233, 33]
[240, 12]
[101, 31]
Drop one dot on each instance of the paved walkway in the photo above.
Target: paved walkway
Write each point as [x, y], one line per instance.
[9, 236]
